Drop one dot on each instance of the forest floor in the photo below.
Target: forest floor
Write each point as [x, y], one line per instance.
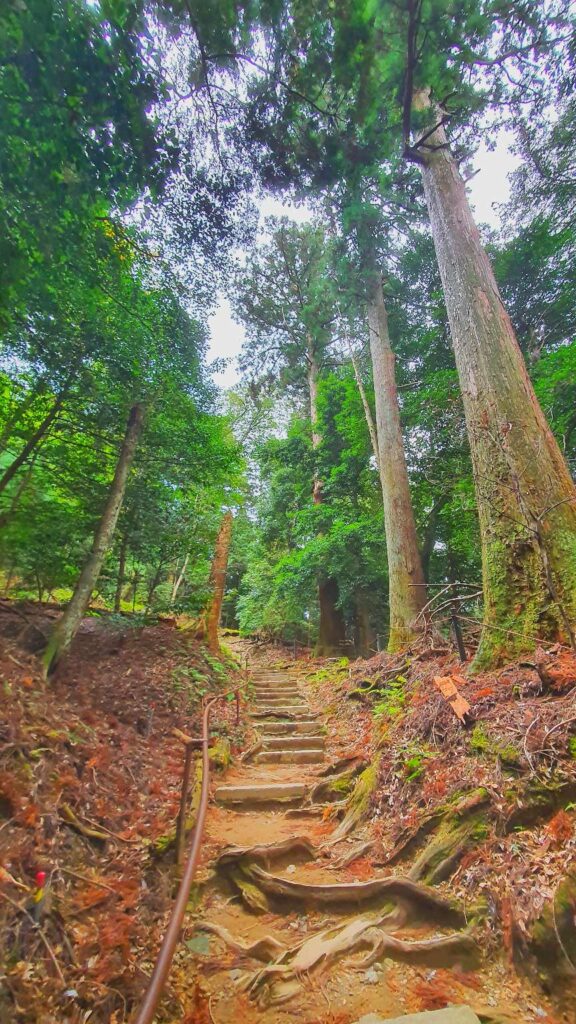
[475, 817]
[90, 777]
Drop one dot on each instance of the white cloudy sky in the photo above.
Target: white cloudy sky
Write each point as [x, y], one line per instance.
[487, 189]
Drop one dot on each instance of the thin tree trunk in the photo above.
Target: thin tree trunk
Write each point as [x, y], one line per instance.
[31, 443]
[153, 585]
[526, 498]
[121, 572]
[67, 627]
[430, 534]
[367, 410]
[23, 483]
[19, 411]
[210, 622]
[179, 579]
[331, 627]
[407, 595]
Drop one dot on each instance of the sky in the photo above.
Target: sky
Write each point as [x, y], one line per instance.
[487, 189]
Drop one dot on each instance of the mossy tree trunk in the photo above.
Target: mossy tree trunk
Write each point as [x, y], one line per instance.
[407, 592]
[210, 622]
[67, 627]
[525, 495]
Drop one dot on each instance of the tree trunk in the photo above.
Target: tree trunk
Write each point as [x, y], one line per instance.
[367, 410]
[121, 572]
[31, 443]
[210, 622]
[179, 579]
[67, 627]
[153, 585]
[407, 595]
[526, 498]
[332, 628]
[365, 635]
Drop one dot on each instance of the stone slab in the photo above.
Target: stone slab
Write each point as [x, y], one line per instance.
[450, 1015]
[267, 793]
[309, 742]
[290, 757]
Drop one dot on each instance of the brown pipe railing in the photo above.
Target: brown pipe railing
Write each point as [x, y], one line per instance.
[172, 934]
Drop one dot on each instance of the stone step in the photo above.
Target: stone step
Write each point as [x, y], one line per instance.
[293, 742]
[269, 793]
[302, 727]
[273, 701]
[282, 691]
[279, 709]
[290, 757]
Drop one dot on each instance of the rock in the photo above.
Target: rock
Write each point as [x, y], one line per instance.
[371, 976]
[450, 1015]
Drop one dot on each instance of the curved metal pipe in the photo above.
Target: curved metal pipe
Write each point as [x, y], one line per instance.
[172, 934]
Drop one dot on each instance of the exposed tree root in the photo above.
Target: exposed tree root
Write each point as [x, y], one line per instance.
[281, 980]
[252, 895]
[264, 949]
[354, 854]
[296, 848]
[417, 899]
[359, 800]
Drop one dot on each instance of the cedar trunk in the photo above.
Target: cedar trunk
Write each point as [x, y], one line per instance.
[67, 627]
[526, 498]
[210, 622]
[332, 627]
[407, 593]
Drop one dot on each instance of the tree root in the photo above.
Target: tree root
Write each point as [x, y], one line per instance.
[296, 848]
[354, 854]
[264, 949]
[409, 894]
[281, 980]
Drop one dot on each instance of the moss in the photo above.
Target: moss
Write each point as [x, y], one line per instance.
[481, 742]
[219, 754]
[572, 746]
[365, 786]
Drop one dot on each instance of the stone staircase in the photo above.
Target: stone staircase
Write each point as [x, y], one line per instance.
[289, 731]
[290, 735]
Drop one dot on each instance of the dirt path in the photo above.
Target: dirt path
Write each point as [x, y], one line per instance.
[276, 941]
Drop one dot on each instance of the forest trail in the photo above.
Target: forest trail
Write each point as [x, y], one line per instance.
[293, 921]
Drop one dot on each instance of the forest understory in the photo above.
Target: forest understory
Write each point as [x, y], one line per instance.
[478, 815]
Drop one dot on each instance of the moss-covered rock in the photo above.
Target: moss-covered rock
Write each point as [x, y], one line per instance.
[463, 825]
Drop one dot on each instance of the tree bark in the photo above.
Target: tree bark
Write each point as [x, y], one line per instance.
[210, 622]
[367, 410]
[121, 572]
[407, 595]
[331, 628]
[526, 498]
[67, 627]
[179, 578]
[365, 634]
[31, 443]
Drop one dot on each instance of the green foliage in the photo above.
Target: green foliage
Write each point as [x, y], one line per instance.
[393, 699]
